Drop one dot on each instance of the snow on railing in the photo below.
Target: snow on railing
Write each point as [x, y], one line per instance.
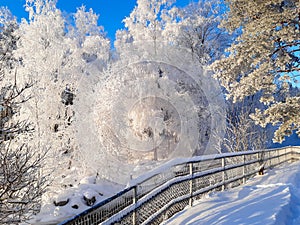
[156, 196]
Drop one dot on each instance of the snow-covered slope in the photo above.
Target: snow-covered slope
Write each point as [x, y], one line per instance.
[273, 198]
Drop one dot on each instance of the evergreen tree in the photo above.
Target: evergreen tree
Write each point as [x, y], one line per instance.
[264, 58]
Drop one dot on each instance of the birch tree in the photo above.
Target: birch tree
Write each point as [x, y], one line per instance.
[264, 59]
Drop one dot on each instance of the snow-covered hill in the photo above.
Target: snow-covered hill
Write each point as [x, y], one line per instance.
[273, 198]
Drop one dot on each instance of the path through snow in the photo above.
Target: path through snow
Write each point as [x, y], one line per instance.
[273, 198]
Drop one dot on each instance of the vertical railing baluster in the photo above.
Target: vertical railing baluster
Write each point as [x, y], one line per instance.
[270, 160]
[244, 169]
[223, 173]
[134, 215]
[285, 154]
[191, 184]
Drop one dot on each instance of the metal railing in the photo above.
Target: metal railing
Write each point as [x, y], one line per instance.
[169, 189]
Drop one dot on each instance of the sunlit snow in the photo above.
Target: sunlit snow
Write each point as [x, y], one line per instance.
[273, 198]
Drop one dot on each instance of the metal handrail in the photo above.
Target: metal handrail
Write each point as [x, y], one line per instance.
[218, 171]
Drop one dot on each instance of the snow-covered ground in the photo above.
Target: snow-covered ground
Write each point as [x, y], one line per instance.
[74, 200]
[273, 198]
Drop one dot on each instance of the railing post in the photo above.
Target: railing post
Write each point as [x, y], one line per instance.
[244, 169]
[269, 158]
[191, 184]
[223, 173]
[257, 161]
[296, 154]
[134, 215]
[285, 155]
[293, 154]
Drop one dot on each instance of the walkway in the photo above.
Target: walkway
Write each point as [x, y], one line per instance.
[273, 198]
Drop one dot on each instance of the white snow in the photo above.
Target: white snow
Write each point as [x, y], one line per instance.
[88, 187]
[273, 198]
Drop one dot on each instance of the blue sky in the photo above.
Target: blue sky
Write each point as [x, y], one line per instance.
[111, 12]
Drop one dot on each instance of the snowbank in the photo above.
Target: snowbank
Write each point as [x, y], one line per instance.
[273, 198]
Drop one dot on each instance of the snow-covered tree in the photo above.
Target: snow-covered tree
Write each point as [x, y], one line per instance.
[90, 37]
[195, 27]
[43, 54]
[144, 24]
[9, 76]
[158, 102]
[92, 52]
[153, 106]
[56, 57]
[7, 40]
[264, 59]
[21, 181]
[242, 134]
